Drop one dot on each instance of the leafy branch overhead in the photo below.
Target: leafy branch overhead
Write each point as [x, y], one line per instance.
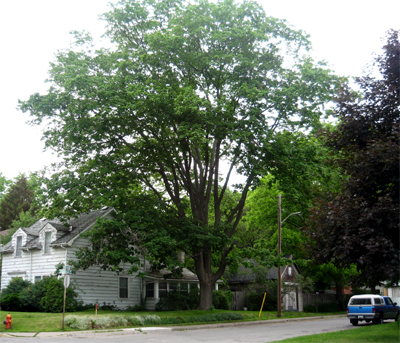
[190, 94]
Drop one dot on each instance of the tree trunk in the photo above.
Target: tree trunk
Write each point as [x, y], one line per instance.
[339, 293]
[206, 292]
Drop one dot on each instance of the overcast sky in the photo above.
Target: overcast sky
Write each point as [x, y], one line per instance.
[344, 33]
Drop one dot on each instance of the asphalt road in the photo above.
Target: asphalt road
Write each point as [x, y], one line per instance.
[257, 333]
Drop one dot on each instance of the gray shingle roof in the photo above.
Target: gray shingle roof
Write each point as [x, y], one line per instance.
[72, 230]
[245, 275]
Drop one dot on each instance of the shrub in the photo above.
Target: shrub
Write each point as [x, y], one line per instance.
[330, 307]
[327, 307]
[53, 296]
[255, 298]
[136, 308]
[179, 300]
[222, 299]
[16, 285]
[30, 296]
[310, 308]
[214, 317]
[11, 302]
[104, 322]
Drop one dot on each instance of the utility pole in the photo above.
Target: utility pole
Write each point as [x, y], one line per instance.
[279, 255]
[280, 222]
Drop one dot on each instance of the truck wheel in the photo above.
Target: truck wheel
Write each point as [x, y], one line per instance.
[379, 320]
[354, 322]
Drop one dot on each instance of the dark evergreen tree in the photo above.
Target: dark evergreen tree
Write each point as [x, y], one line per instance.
[19, 199]
[361, 224]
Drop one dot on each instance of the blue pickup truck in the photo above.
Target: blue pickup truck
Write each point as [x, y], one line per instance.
[370, 307]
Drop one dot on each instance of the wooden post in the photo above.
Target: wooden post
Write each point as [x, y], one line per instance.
[65, 297]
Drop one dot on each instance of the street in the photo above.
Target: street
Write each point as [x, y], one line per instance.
[259, 333]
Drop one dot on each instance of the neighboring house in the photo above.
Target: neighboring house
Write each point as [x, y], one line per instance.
[240, 282]
[391, 291]
[34, 252]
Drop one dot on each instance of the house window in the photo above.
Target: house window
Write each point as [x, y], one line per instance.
[173, 286]
[47, 241]
[38, 278]
[290, 271]
[123, 287]
[150, 290]
[19, 245]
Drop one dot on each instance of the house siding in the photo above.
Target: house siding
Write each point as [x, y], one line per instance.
[32, 263]
[97, 286]
[92, 285]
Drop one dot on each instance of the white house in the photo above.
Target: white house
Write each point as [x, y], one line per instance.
[34, 252]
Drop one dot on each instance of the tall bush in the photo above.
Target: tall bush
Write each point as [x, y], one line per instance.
[179, 300]
[10, 296]
[16, 285]
[53, 296]
[222, 299]
[256, 296]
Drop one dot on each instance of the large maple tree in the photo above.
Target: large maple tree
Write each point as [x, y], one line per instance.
[190, 93]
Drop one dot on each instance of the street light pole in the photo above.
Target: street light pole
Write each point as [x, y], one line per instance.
[279, 255]
[280, 222]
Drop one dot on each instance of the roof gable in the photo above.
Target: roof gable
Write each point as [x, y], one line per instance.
[70, 231]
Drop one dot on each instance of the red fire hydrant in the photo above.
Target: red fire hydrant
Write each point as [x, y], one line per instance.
[8, 321]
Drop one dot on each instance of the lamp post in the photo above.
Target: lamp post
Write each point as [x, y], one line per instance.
[280, 222]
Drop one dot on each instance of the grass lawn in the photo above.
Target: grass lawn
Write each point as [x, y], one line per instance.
[42, 322]
[386, 333]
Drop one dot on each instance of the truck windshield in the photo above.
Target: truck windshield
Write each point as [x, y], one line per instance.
[389, 301]
[361, 301]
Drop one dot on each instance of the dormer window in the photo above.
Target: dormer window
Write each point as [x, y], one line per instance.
[47, 241]
[290, 271]
[19, 245]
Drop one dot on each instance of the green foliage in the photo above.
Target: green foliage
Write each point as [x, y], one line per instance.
[53, 296]
[16, 285]
[179, 300]
[11, 302]
[214, 317]
[360, 223]
[104, 322]
[30, 296]
[256, 295]
[45, 295]
[4, 183]
[147, 126]
[325, 307]
[19, 198]
[222, 299]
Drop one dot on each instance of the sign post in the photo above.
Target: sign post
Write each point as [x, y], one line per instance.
[66, 284]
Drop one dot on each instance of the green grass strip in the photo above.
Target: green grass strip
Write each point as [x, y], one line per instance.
[385, 333]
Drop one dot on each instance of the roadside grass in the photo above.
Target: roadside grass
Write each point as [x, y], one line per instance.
[48, 322]
[388, 332]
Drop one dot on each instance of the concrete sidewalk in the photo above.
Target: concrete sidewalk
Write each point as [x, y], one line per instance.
[131, 331]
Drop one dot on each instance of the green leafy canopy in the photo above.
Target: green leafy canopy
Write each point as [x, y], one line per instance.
[189, 88]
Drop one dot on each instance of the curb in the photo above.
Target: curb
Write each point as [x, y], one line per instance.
[258, 322]
[130, 331]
